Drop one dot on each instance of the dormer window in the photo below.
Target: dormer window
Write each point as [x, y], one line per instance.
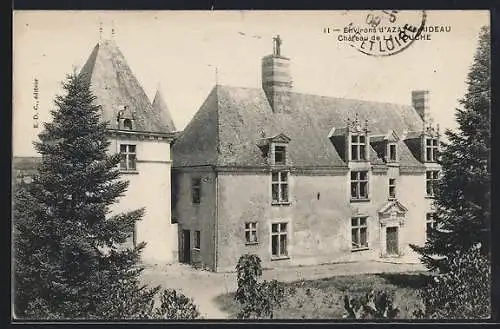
[125, 118]
[391, 152]
[274, 149]
[358, 147]
[431, 149]
[127, 124]
[430, 144]
[279, 155]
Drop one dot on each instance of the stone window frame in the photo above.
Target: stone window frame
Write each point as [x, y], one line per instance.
[127, 124]
[431, 178]
[128, 157]
[251, 227]
[359, 224]
[392, 152]
[282, 150]
[282, 185]
[431, 147]
[359, 183]
[195, 190]
[197, 240]
[279, 233]
[358, 148]
[392, 188]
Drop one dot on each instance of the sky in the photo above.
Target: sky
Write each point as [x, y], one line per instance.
[177, 52]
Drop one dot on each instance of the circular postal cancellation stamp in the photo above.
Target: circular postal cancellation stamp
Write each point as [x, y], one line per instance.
[384, 32]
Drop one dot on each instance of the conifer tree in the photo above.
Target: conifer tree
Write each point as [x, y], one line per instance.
[463, 193]
[68, 259]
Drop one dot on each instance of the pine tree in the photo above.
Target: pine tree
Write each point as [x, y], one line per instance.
[463, 193]
[68, 259]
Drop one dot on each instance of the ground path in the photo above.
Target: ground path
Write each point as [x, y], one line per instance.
[204, 286]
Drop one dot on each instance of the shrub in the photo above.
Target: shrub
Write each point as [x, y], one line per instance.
[175, 306]
[463, 292]
[257, 300]
[373, 305]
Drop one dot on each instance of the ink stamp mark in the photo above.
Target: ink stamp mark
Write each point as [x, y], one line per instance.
[385, 32]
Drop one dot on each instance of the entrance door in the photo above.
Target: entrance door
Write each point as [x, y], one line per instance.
[392, 240]
[186, 246]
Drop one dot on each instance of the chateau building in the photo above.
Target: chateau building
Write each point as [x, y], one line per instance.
[295, 178]
[142, 132]
[302, 179]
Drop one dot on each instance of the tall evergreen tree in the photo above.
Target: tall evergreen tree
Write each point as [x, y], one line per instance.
[463, 193]
[69, 255]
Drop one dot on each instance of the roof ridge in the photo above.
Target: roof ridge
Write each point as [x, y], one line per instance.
[217, 121]
[88, 68]
[319, 95]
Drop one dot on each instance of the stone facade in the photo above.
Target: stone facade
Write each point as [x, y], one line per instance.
[302, 179]
[149, 188]
[318, 216]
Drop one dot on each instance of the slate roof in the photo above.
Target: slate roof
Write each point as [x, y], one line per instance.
[114, 85]
[226, 129]
[161, 109]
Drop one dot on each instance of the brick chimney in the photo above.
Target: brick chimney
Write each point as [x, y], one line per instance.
[421, 102]
[276, 78]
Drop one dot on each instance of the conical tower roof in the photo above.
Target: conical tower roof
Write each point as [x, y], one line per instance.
[160, 108]
[115, 87]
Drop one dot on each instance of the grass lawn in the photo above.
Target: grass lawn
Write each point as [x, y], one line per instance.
[322, 299]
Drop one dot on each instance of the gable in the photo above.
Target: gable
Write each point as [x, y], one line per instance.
[196, 145]
[392, 207]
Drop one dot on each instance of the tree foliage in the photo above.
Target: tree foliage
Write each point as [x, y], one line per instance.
[461, 293]
[70, 259]
[463, 193]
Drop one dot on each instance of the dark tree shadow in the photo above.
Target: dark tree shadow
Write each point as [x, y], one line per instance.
[407, 280]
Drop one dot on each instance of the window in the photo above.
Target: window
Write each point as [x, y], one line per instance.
[127, 157]
[392, 188]
[196, 190]
[197, 239]
[359, 184]
[279, 237]
[280, 187]
[279, 155]
[392, 152]
[127, 124]
[431, 149]
[251, 233]
[358, 145]
[359, 231]
[430, 221]
[431, 178]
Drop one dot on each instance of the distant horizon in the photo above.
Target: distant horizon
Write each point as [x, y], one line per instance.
[177, 52]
